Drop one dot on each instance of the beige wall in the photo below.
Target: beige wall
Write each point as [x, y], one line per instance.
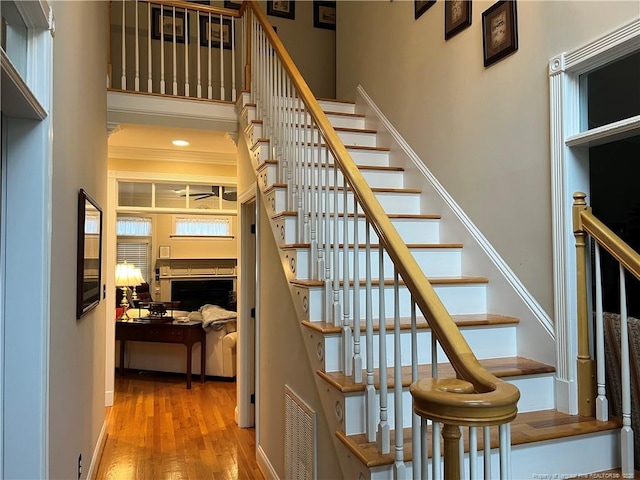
[313, 50]
[483, 132]
[77, 347]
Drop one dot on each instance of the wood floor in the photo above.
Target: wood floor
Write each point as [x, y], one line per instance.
[157, 429]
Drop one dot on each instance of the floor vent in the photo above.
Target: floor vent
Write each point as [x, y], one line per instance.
[300, 438]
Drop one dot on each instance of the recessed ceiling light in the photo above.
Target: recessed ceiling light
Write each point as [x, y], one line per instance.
[180, 143]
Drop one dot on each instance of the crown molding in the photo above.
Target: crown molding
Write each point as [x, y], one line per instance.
[167, 155]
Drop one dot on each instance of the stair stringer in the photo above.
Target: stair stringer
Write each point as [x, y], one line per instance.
[505, 293]
[297, 294]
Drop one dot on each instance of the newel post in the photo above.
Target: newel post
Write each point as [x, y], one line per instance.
[451, 436]
[585, 365]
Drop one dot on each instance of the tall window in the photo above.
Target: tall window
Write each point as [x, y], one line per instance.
[135, 250]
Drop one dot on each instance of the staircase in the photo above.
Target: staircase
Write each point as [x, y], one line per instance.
[543, 441]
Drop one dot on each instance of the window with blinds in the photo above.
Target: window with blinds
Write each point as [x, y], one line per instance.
[138, 254]
[203, 226]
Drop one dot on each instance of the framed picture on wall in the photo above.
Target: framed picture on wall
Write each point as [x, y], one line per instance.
[457, 17]
[282, 8]
[499, 31]
[214, 31]
[324, 14]
[422, 6]
[233, 5]
[163, 25]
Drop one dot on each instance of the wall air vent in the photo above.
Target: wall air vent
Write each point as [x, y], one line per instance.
[300, 444]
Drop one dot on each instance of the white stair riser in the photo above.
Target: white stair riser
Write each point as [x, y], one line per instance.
[343, 121]
[393, 202]
[436, 262]
[485, 342]
[355, 414]
[342, 107]
[411, 230]
[458, 299]
[363, 139]
[596, 453]
[375, 178]
[262, 151]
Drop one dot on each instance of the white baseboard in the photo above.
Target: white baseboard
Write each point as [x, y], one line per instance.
[97, 452]
[265, 465]
[108, 398]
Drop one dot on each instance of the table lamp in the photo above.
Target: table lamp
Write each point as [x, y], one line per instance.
[127, 276]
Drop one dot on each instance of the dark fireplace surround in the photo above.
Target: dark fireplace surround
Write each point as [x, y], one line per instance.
[193, 294]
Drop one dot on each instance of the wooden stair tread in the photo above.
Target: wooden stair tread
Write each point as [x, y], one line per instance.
[274, 186]
[432, 280]
[526, 428]
[335, 100]
[337, 129]
[470, 320]
[399, 216]
[500, 367]
[348, 147]
[381, 168]
[362, 246]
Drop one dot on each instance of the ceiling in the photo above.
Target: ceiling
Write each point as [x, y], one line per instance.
[145, 142]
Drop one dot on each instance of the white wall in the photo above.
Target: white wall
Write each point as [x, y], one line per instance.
[484, 132]
[77, 347]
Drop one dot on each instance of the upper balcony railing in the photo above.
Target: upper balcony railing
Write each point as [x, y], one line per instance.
[175, 48]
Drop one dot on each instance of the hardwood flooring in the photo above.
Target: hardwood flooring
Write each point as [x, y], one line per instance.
[159, 429]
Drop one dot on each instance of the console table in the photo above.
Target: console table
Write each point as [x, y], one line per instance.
[136, 330]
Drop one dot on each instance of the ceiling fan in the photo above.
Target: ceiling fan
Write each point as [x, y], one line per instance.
[229, 194]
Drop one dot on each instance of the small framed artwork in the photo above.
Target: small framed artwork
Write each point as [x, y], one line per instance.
[499, 31]
[282, 8]
[232, 5]
[163, 24]
[422, 6]
[89, 265]
[165, 251]
[324, 14]
[457, 17]
[211, 31]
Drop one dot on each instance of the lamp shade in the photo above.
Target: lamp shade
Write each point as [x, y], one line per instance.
[128, 275]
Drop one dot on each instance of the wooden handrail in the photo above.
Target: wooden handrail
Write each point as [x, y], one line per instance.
[500, 396]
[611, 242]
[195, 6]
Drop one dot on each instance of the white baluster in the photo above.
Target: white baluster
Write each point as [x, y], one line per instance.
[123, 78]
[384, 440]
[461, 453]
[399, 466]
[186, 54]
[337, 310]
[222, 94]
[626, 435]
[137, 29]
[327, 224]
[421, 470]
[415, 418]
[162, 81]
[473, 453]
[209, 86]
[602, 406]
[315, 196]
[486, 435]
[198, 61]
[357, 358]
[504, 450]
[303, 202]
[347, 338]
[436, 456]
[233, 59]
[370, 403]
[149, 52]
[175, 57]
